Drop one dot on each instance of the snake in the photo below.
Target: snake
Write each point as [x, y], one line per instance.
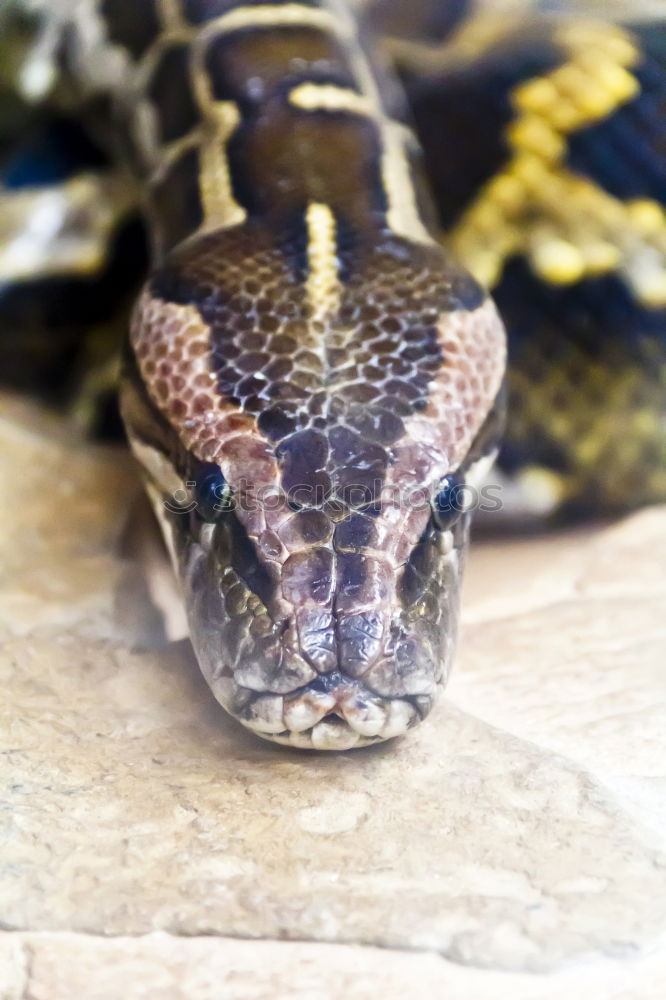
[312, 384]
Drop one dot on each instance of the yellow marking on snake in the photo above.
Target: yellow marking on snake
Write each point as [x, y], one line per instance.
[221, 209]
[323, 283]
[403, 215]
[173, 151]
[582, 433]
[328, 97]
[270, 16]
[221, 118]
[220, 121]
[567, 226]
[170, 14]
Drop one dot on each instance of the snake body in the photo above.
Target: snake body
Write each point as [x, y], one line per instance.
[544, 146]
[304, 357]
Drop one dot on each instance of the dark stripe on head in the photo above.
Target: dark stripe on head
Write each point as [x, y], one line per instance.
[417, 576]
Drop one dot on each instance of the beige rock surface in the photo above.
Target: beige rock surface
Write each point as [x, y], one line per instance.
[160, 967]
[515, 842]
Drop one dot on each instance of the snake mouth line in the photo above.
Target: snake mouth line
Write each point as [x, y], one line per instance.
[333, 732]
[324, 717]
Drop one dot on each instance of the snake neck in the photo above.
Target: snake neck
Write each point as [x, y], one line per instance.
[237, 111]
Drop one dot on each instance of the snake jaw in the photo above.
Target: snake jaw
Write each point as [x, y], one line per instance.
[264, 678]
[340, 719]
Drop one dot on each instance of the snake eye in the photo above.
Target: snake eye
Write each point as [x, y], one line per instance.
[212, 494]
[449, 502]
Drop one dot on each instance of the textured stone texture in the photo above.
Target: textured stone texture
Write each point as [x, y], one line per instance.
[160, 967]
[520, 830]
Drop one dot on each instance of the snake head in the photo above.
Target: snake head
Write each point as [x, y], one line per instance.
[315, 422]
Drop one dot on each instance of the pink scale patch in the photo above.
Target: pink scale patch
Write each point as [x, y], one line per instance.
[172, 345]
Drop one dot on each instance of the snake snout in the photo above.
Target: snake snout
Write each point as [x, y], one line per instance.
[333, 710]
[330, 651]
[383, 683]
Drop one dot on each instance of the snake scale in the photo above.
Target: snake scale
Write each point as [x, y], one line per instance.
[312, 384]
